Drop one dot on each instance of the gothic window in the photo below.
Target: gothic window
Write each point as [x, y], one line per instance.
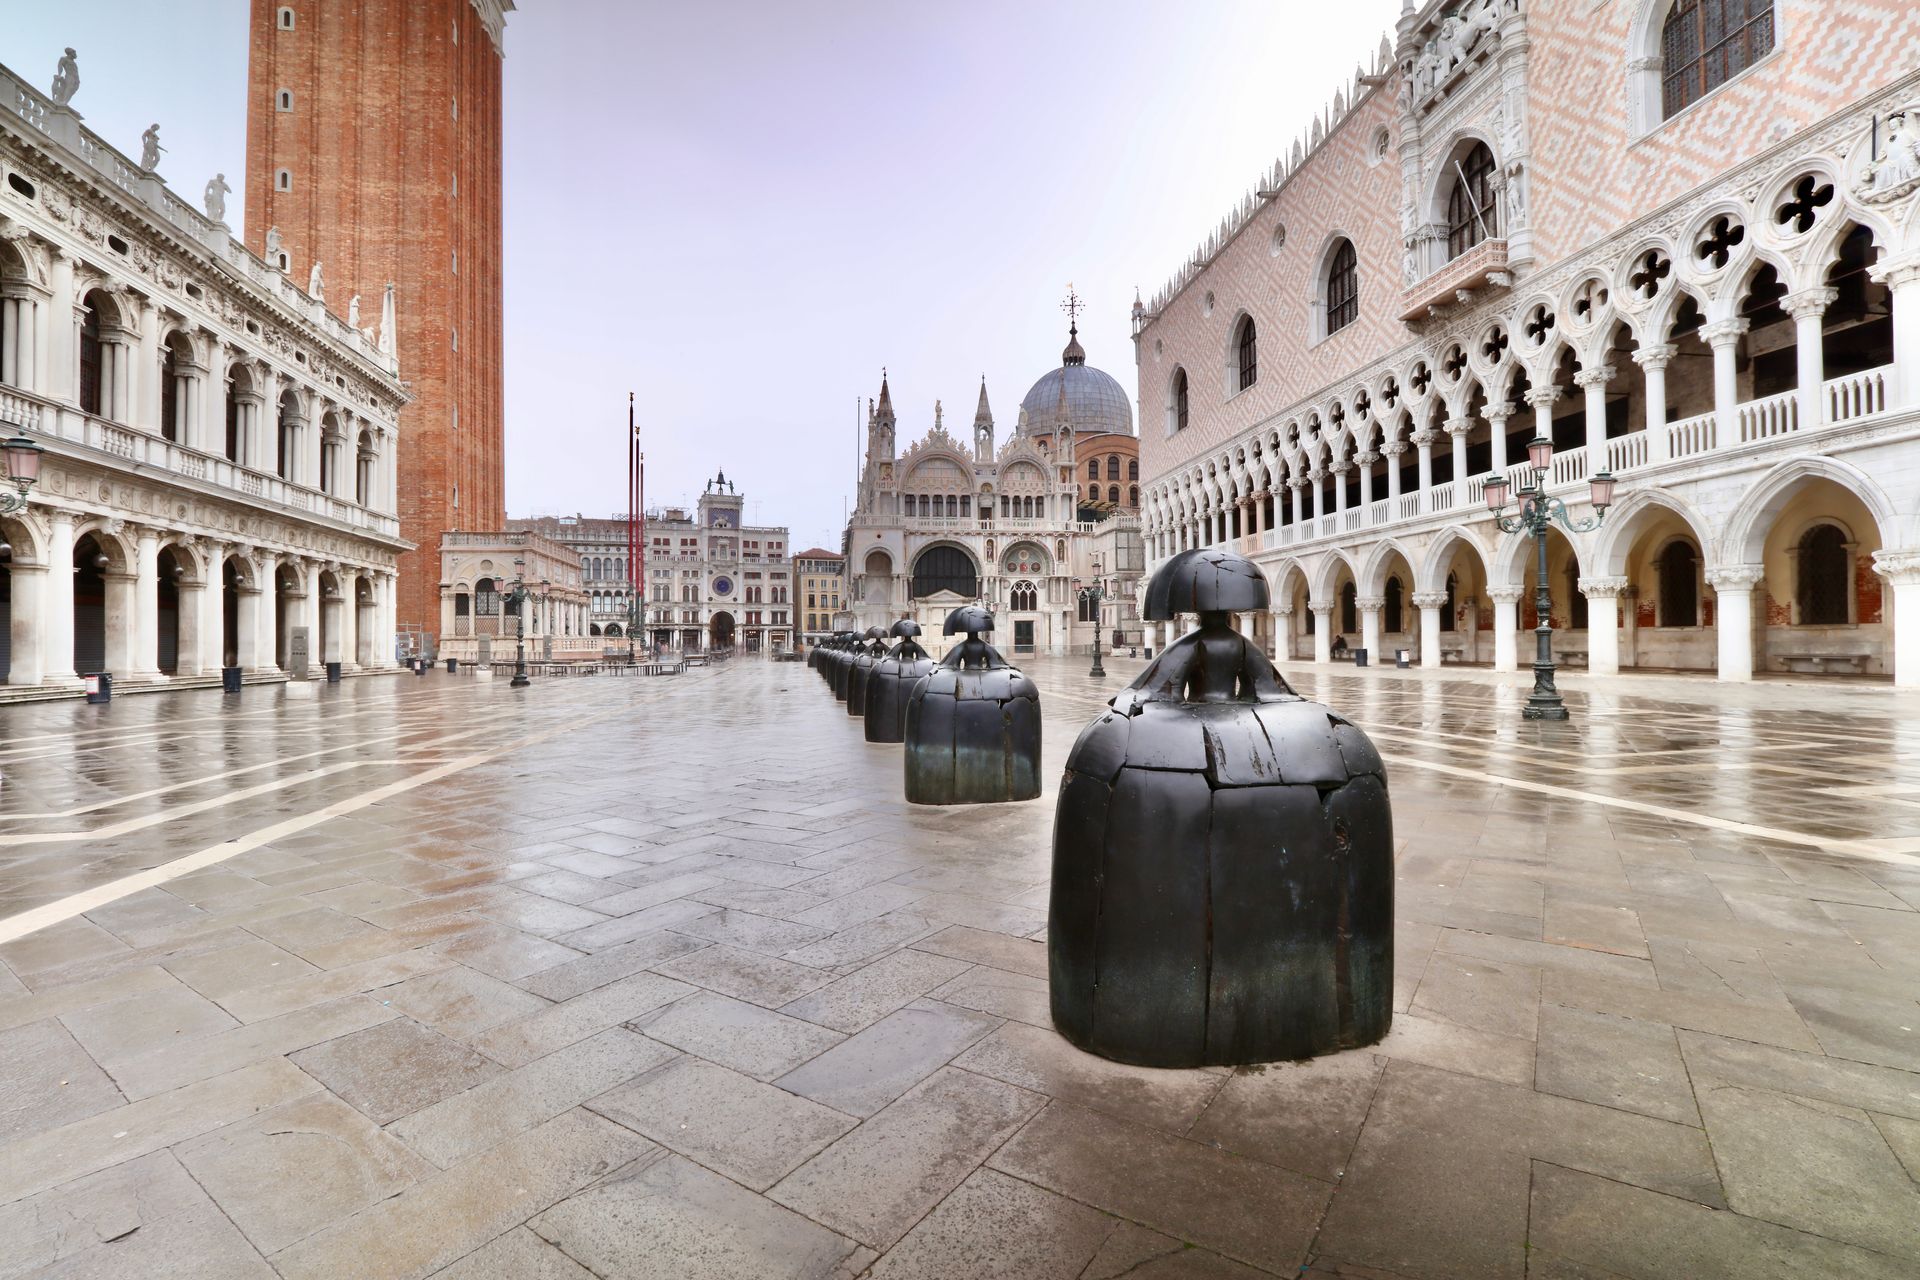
[944, 569]
[1705, 43]
[1177, 411]
[286, 17]
[486, 598]
[1349, 608]
[1024, 598]
[1679, 585]
[1472, 215]
[1343, 287]
[1246, 355]
[1395, 619]
[1089, 610]
[90, 358]
[1113, 467]
[1823, 573]
[283, 181]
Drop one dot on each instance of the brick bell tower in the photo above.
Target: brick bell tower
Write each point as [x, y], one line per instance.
[373, 145]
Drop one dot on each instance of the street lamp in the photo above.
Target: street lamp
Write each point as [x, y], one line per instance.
[517, 596]
[1094, 595]
[1537, 511]
[23, 468]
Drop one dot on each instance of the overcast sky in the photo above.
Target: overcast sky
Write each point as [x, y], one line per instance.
[742, 209]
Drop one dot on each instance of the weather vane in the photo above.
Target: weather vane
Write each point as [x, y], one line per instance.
[1072, 306]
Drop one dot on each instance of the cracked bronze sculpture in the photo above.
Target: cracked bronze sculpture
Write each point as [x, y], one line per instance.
[1222, 855]
[973, 724]
[891, 683]
[860, 666]
[843, 664]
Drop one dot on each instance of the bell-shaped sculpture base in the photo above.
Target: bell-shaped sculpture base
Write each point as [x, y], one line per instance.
[889, 688]
[973, 737]
[859, 671]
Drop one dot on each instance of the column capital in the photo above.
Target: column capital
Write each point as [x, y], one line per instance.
[1724, 333]
[1284, 611]
[1368, 458]
[1423, 437]
[1322, 609]
[1342, 467]
[1505, 595]
[1902, 567]
[1598, 376]
[1809, 302]
[1655, 355]
[1394, 448]
[1735, 577]
[1501, 411]
[1430, 599]
[1542, 397]
[1898, 271]
[1370, 604]
[1459, 426]
[1603, 588]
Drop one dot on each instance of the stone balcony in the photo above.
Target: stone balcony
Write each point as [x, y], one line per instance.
[1484, 264]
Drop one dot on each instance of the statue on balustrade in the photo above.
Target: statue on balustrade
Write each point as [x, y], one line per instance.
[973, 724]
[891, 684]
[1222, 855]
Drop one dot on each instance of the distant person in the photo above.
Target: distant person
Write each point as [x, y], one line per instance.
[1339, 646]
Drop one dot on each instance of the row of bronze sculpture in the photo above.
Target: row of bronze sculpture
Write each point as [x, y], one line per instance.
[1223, 848]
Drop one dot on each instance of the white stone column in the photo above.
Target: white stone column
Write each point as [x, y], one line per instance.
[61, 359]
[1370, 608]
[1653, 360]
[1430, 603]
[1543, 399]
[310, 611]
[27, 661]
[1506, 627]
[1283, 634]
[1808, 307]
[348, 607]
[1457, 429]
[253, 623]
[1900, 611]
[1423, 440]
[1294, 485]
[56, 599]
[1901, 275]
[146, 605]
[1594, 383]
[1366, 461]
[121, 624]
[1340, 470]
[1497, 416]
[1322, 633]
[144, 384]
[190, 657]
[21, 315]
[1724, 337]
[1733, 617]
[1393, 449]
[1246, 626]
[1603, 623]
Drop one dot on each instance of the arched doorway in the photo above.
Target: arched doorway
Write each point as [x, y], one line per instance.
[90, 562]
[232, 579]
[287, 596]
[720, 631]
[945, 568]
[167, 589]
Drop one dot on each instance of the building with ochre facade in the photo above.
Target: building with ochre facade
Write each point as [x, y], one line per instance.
[1680, 239]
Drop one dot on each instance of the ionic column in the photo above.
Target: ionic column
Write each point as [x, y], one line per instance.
[1430, 603]
[1603, 623]
[1733, 617]
[1724, 337]
[1497, 415]
[1653, 361]
[122, 625]
[28, 630]
[146, 605]
[190, 658]
[1506, 627]
[311, 610]
[1594, 382]
[21, 362]
[1322, 633]
[1370, 608]
[56, 599]
[1808, 308]
[144, 388]
[1901, 275]
[1901, 569]
[62, 361]
[248, 641]
[1457, 429]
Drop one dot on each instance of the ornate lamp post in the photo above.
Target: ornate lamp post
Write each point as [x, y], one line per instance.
[1094, 595]
[1537, 511]
[517, 596]
[23, 468]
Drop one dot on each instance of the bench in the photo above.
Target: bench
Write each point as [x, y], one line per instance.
[1821, 663]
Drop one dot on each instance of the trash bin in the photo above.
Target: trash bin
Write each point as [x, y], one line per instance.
[420, 666]
[230, 679]
[453, 666]
[100, 687]
[1359, 657]
[333, 673]
[1403, 658]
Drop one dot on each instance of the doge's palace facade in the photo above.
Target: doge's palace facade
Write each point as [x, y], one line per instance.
[217, 476]
[1687, 252]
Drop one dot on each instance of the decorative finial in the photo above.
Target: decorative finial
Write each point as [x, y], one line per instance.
[1072, 306]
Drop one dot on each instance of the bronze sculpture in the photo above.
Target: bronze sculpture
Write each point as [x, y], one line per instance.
[891, 683]
[973, 724]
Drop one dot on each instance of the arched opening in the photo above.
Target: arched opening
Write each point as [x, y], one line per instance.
[1023, 598]
[92, 399]
[1690, 374]
[1393, 613]
[1177, 401]
[287, 435]
[288, 596]
[1473, 211]
[720, 631]
[1705, 43]
[363, 469]
[232, 579]
[945, 568]
[1678, 570]
[486, 607]
[172, 568]
[1342, 287]
[1349, 607]
[1857, 329]
[175, 355]
[1823, 586]
[1245, 357]
[363, 622]
[240, 397]
[90, 564]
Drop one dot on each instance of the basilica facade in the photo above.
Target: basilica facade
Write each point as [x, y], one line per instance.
[1679, 241]
[1030, 527]
[216, 485]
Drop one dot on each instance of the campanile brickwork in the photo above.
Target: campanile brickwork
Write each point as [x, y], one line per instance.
[383, 164]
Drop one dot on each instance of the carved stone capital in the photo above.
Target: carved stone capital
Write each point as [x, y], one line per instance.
[1655, 355]
[1423, 437]
[1812, 303]
[1598, 376]
[1323, 610]
[1394, 448]
[1724, 333]
[1505, 595]
[1430, 599]
[1368, 458]
[1603, 588]
[1370, 604]
[1543, 397]
[1896, 272]
[1902, 567]
[1498, 413]
[1459, 426]
[1735, 577]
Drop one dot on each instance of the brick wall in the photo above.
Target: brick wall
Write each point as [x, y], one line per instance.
[376, 150]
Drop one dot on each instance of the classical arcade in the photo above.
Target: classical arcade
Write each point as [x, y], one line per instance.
[1733, 332]
[216, 488]
[1026, 528]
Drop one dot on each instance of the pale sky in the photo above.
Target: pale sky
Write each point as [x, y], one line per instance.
[742, 209]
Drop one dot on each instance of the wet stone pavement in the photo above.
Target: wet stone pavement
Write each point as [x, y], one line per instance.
[427, 976]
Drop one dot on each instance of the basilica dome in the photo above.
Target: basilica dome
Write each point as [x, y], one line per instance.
[1096, 403]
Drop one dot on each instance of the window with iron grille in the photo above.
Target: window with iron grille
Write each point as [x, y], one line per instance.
[1472, 214]
[1343, 288]
[1705, 43]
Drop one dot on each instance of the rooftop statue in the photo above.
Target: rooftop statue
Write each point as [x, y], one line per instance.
[66, 79]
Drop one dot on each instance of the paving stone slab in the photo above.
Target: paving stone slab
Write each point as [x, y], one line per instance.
[752, 1040]
[395, 1068]
[871, 1068]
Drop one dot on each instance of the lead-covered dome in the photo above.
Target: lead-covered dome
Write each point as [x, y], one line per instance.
[1096, 402]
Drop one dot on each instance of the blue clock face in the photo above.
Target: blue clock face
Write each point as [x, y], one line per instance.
[723, 585]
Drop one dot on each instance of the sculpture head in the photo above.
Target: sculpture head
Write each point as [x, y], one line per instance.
[1205, 582]
[906, 627]
[968, 619]
[875, 633]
